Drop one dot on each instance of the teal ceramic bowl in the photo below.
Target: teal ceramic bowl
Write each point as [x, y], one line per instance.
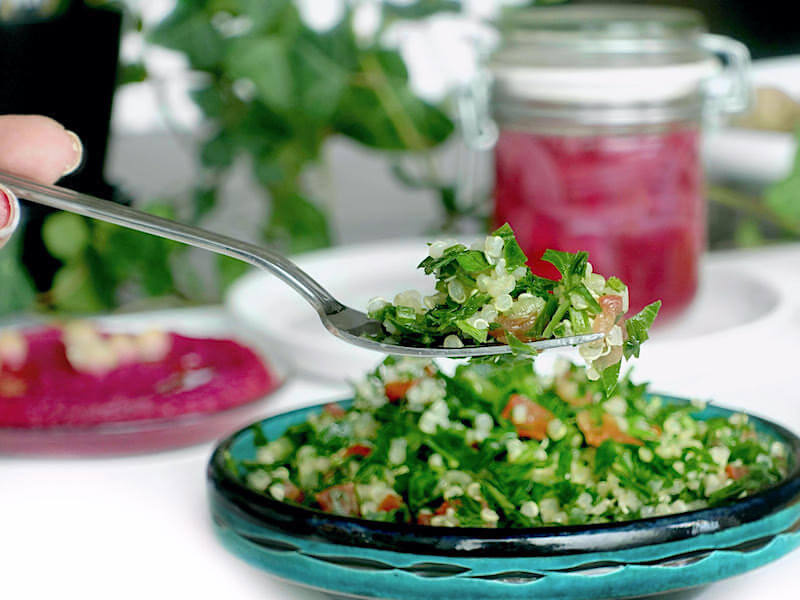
[368, 559]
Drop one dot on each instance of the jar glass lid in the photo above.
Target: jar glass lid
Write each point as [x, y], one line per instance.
[601, 54]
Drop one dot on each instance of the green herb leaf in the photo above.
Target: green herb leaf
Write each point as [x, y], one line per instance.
[609, 377]
[264, 61]
[615, 284]
[582, 291]
[472, 261]
[518, 347]
[479, 335]
[568, 264]
[637, 327]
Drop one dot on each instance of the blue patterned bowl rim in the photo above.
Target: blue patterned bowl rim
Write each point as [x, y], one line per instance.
[315, 525]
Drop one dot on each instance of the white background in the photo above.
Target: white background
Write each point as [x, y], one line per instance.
[138, 526]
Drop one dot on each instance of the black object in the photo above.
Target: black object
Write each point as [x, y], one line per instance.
[63, 66]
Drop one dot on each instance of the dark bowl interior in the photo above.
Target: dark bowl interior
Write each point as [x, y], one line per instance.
[310, 524]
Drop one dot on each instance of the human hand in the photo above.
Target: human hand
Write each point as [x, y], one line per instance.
[35, 147]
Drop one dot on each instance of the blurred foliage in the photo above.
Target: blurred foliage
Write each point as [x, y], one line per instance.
[16, 289]
[101, 262]
[740, 219]
[275, 91]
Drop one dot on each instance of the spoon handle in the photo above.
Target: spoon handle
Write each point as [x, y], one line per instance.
[111, 212]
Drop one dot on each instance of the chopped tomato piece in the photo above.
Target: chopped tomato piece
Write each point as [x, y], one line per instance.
[611, 303]
[519, 326]
[736, 471]
[390, 502]
[335, 410]
[425, 515]
[613, 357]
[612, 309]
[292, 492]
[608, 429]
[358, 450]
[530, 420]
[424, 518]
[339, 500]
[395, 390]
[445, 505]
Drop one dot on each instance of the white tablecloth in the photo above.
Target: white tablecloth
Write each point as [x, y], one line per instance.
[137, 527]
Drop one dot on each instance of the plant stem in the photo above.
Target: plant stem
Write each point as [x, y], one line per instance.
[403, 124]
[751, 206]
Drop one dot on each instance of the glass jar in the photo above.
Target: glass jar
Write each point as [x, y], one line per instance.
[598, 112]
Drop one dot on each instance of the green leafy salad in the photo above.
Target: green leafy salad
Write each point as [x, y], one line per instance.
[498, 445]
[488, 293]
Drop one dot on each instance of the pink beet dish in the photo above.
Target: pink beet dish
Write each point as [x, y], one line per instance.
[634, 202]
[188, 388]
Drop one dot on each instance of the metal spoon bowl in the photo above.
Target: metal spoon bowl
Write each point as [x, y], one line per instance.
[351, 325]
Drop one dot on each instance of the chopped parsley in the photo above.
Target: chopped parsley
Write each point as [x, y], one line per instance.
[499, 445]
[487, 293]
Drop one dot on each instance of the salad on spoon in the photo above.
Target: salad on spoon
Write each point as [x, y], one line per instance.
[485, 295]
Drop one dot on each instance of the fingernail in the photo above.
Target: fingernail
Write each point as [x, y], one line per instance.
[9, 214]
[77, 147]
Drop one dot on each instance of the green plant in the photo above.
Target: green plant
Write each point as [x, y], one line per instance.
[274, 92]
[278, 90]
[760, 219]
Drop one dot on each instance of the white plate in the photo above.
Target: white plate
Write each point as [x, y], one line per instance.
[728, 298]
[750, 156]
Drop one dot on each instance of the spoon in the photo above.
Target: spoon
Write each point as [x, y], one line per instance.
[342, 321]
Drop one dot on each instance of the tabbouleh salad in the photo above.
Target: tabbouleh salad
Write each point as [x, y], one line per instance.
[488, 293]
[499, 445]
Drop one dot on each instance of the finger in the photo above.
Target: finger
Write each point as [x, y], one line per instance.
[38, 147]
[9, 214]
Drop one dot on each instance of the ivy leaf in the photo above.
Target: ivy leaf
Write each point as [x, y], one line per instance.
[131, 73]
[210, 100]
[18, 292]
[783, 197]
[637, 327]
[380, 110]
[265, 62]
[321, 67]
[229, 270]
[419, 10]
[65, 235]
[298, 224]
[204, 199]
[74, 291]
[119, 255]
[190, 31]
[218, 151]
[268, 15]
